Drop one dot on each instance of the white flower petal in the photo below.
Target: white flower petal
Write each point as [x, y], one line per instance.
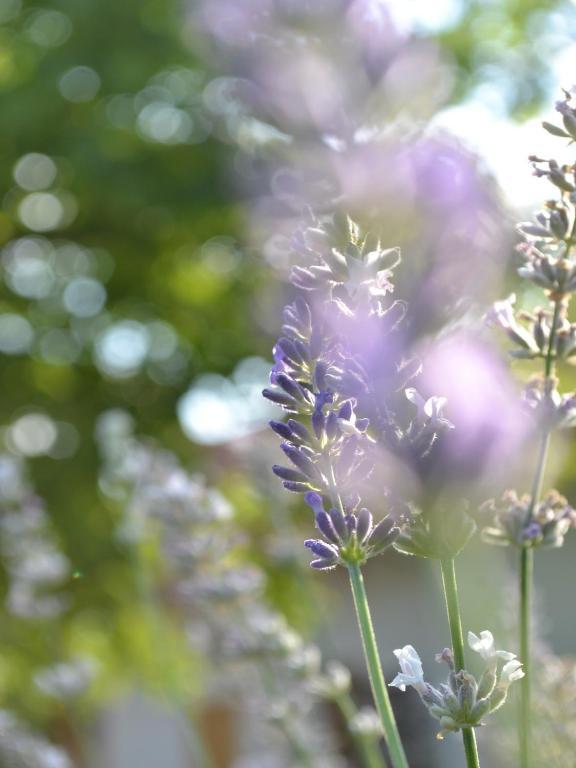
[511, 671]
[411, 667]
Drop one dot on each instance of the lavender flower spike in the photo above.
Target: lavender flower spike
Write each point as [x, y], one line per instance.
[322, 378]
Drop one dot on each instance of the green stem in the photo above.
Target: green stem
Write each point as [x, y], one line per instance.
[539, 475]
[527, 554]
[550, 358]
[527, 561]
[526, 582]
[455, 622]
[366, 745]
[377, 682]
[525, 624]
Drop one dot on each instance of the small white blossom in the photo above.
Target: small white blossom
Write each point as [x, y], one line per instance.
[411, 666]
[364, 277]
[502, 313]
[511, 671]
[484, 645]
[429, 411]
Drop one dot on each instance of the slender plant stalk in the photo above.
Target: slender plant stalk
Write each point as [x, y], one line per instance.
[283, 724]
[526, 582]
[379, 690]
[366, 746]
[455, 622]
[371, 655]
[527, 567]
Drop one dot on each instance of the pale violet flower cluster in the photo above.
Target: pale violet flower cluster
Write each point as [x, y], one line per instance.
[37, 568]
[38, 572]
[545, 333]
[516, 520]
[464, 700]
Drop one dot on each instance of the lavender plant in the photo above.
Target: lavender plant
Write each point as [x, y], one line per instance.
[545, 335]
[341, 373]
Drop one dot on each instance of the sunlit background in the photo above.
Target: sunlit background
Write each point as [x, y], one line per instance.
[156, 159]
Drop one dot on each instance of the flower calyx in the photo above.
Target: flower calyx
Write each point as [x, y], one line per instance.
[349, 537]
[438, 533]
[514, 521]
[551, 409]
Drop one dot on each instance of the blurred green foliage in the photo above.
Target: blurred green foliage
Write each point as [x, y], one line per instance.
[508, 47]
[144, 209]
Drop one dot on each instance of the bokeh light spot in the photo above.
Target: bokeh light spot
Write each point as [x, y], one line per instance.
[216, 409]
[32, 435]
[84, 297]
[164, 123]
[41, 211]
[16, 334]
[220, 254]
[49, 28]
[34, 172]
[79, 84]
[28, 267]
[121, 349]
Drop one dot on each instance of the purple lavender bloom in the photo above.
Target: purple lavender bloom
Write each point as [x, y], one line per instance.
[348, 538]
[343, 382]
